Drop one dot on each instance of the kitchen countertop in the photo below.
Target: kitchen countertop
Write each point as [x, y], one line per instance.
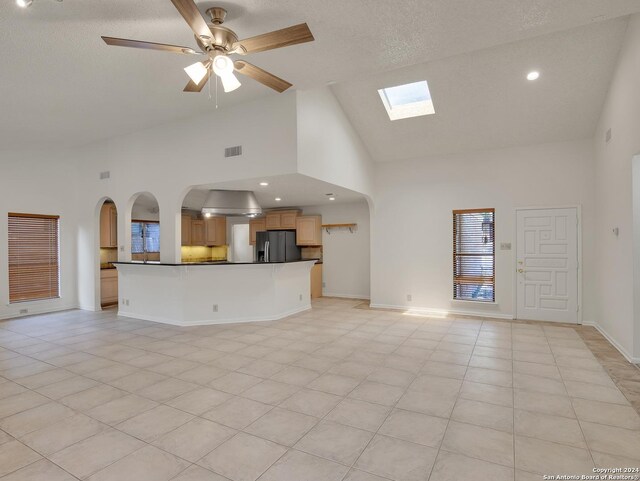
[209, 263]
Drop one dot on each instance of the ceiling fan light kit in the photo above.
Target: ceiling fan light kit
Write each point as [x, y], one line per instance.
[218, 42]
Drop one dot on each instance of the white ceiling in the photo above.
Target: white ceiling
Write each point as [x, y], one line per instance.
[295, 190]
[64, 87]
[484, 101]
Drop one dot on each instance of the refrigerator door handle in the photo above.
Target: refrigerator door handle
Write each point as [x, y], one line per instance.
[266, 251]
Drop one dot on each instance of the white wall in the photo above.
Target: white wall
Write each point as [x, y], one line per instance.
[346, 267]
[37, 182]
[168, 160]
[411, 234]
[616, 287]
[329, 148]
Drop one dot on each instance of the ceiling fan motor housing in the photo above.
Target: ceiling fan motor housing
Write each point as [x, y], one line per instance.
[222, 38]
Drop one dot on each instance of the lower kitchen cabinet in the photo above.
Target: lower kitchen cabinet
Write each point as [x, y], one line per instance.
[316, 281]
[108, 286]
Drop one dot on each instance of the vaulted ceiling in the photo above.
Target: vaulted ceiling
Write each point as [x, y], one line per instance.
[61, 86]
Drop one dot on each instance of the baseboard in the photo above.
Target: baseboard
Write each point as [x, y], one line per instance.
[36, 312]
[614, 343]
[211, 322]
[428, 311]
[345, 296]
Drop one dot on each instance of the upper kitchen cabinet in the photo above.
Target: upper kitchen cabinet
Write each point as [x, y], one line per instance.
[108, 225]
[215, 229]
[309, 230]
[186, 230]
[281, 219]
[255, 226]
[197, 233]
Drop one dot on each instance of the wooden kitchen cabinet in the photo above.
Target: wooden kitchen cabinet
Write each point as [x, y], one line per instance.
[316, 281]
[255, 226]
[215, 231]
[186, 230]
[108, 226]
[197, 233]
[309, 230]
[108, 287]
[281, 219]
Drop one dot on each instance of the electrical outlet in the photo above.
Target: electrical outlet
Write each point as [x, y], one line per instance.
[324, 284]
[121, 248]
[300, 297]
[127, 302]
[409, 297]
[24, 311]
[215, 308]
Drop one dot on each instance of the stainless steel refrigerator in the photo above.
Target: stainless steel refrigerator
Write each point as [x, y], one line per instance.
[277, 246]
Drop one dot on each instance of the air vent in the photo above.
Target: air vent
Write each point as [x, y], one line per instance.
[607, 136]
[105, 175]
[233, 151]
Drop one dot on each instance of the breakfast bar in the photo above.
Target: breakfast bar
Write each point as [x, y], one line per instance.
[190, 294]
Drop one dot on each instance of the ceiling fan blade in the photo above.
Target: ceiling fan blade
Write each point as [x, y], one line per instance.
[276, 39]
[262, 76]
[193, 17]
[194, 87]
[125, 42]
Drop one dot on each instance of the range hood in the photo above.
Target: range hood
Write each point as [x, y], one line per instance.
[231, 202]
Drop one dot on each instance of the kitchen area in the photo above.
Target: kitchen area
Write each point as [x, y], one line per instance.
[239, 262]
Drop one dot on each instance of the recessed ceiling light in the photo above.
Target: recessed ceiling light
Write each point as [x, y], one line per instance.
[208, 214]
[24, 3]
[533, 75]
[264, 184]
[409, 100]
[278, 199]
[332, 198]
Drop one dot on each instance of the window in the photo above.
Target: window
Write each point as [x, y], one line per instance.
[145, 237]
[474, 255]
[34, 257]
[409, 100]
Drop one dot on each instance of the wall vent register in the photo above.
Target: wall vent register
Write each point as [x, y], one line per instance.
[474, 255]
[34, 257]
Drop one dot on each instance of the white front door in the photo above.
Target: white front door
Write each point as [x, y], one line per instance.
[547, 264]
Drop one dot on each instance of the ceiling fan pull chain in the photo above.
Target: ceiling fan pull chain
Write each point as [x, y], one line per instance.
[216, 92]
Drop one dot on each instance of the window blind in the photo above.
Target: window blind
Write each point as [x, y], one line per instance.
[145, 236]
[474, 254]
[34, 257]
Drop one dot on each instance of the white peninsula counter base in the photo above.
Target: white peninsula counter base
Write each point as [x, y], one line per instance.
[200, 294]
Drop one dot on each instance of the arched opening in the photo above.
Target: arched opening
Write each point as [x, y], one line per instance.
[108, 244]
[206, 237]
[144, 229]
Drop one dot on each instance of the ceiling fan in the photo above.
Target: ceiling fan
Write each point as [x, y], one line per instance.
[218, 42]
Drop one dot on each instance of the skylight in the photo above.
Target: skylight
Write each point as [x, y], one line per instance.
[409, 100]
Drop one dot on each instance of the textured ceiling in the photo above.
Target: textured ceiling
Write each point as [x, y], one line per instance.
[62, 86]
[484, 101]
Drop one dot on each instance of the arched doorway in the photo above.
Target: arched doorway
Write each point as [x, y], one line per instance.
[108, 238]
[145, 228]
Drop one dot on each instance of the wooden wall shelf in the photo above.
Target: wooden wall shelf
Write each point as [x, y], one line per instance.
[328, 227]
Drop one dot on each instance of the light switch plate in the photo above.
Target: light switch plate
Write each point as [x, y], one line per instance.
[505, 246]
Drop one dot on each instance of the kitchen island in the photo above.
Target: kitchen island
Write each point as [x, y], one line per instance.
[191, 294]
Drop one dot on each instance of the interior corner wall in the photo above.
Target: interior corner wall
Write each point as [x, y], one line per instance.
[412, 230]
[39, 182]
[329, 148]
[618, 291]
[346, 255]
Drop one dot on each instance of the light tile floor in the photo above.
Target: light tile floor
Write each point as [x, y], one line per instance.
[341, 392]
